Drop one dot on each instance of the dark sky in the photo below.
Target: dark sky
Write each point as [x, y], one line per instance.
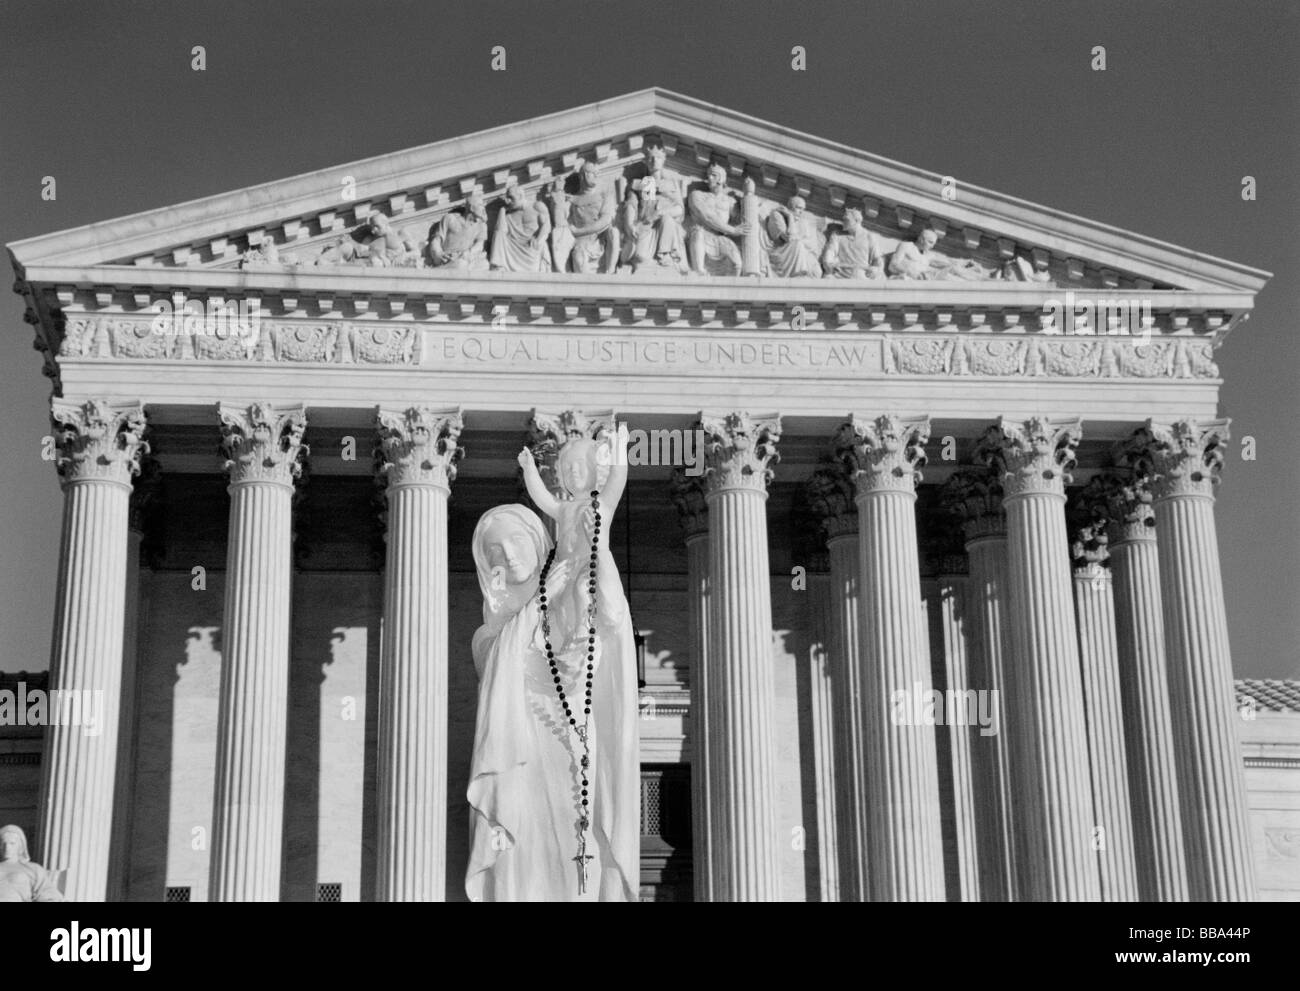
[1194, 97]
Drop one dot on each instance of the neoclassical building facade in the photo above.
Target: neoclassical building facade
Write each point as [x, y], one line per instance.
[919, 539]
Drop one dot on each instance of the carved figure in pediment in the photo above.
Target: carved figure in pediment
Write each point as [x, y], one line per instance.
[263, 255]
[710, 240]
[919, 260]
[591, 223]
[654, 211]
[650, 238]
[389, 247]
[375, 243]
[794, 242]
[1021, 269]
[852, 251]
[519, 241]
[459, 240]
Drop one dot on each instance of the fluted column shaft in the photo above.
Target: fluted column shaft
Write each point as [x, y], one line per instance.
[962, 732]
[1055, 860]
[263, 444]
[902, 778]
[822, 687]
[419, 448]
[697, 580]
[849, 710]
[1186, 458]
[99, 445]
[1107, 759]
[1148, 722]
[986, 591]
[743, 844]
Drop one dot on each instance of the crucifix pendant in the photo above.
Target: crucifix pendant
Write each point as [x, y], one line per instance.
[581, 860]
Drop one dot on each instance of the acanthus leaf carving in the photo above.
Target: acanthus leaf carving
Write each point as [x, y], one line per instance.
[98, 439]
[263, 442]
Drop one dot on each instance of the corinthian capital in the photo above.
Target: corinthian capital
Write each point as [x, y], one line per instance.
[1186, 456]
[974, 496]
[98, 439]
[885, 454]
[1035, 455]
[739, 450]
[263, 442]
[418, 446]
[830, 497]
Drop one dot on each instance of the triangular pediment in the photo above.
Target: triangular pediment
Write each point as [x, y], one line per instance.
[311, 222]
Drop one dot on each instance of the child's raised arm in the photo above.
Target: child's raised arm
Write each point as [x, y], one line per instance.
[616, 480]
[546, 502]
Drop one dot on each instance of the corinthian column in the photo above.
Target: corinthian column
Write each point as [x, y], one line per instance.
[974, 496]
[99, 447]
[1144, 691]
[905, 836]
[419, 451]
[831, 496]
[1185, 459]
[1054, 828]
[688, 496]
[738, 451]
[263, 444]
[1098, 658]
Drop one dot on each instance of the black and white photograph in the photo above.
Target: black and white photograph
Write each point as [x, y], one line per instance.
[708, 451]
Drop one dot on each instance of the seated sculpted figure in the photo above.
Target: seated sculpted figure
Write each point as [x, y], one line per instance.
[852, 251]
[20, 879]
[458, 240]
[520, 239]
[795, 241]
[645, 233]
[591, 223]
[659, 234]
[712, 250]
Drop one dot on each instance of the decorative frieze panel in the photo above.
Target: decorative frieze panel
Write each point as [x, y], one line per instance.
[1059, 357]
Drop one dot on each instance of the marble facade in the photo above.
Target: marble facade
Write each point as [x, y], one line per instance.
[919, 477]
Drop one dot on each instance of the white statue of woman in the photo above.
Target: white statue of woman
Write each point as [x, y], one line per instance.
[524, 790]
[20, 879]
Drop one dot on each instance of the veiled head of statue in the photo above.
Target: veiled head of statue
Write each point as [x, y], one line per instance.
[510, 544]
[13, 844]
[577, 466]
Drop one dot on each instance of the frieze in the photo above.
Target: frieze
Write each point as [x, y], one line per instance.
[402, 342]
[1054, 357]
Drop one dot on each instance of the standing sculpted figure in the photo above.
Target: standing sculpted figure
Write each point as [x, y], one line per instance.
[536, 833]
[20, 879]
[712, 250]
